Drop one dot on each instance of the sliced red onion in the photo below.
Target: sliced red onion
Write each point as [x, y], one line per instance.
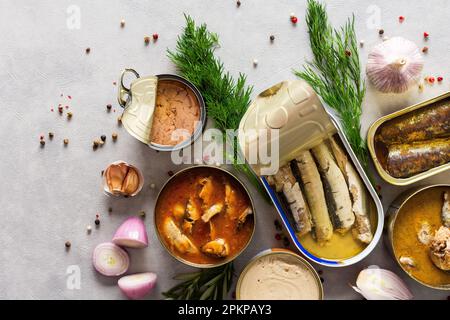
[110, 260]
[138, 285]
[131, 233]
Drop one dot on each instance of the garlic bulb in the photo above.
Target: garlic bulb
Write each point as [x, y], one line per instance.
[374, 283]
[394, 65]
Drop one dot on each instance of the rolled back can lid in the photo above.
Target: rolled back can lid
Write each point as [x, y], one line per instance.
[138, 113]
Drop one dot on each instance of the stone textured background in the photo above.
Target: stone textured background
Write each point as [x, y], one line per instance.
[49, 195]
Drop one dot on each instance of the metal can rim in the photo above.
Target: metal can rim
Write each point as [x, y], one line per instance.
[198, 265]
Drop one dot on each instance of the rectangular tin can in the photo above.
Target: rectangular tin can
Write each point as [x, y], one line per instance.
[294, 108]
[376, 157]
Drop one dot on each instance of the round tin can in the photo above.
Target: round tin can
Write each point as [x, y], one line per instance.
[278, 252]
[392, 214]
[139, 100]
[221, 262]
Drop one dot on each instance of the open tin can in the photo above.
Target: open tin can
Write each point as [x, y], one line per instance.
[393, 212]
[296, 111]
[286, 266]
[165, 123]
[166, 194]
[379, 150]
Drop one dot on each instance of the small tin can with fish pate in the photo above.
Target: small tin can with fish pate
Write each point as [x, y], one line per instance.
[341, 210]
[414, 224]
[165, 111]
[413, 143]
[279, 274]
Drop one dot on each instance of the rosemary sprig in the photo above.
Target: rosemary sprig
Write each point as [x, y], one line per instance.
[226, 99]
[335, 73]
[207, 284]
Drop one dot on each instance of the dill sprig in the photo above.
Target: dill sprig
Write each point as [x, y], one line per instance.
[206, 284]
[335, 72]
[226, 99]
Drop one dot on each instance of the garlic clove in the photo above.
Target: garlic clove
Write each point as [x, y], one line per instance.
[375, 283]
[115, 174]
[131, 182]
[394, 65]
[121, 178]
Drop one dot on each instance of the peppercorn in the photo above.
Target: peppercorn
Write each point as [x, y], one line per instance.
[426, 35]
[103, 171]
[348, 53]
[147, 40]
[277, 236]
[67, 244]
[381, 32]
[142, 214]
[439, 79]
[425, 49]
[286, 242]
[66, 141]
[294, 19]
[122, 23]
[170, 173]
[69, 115]
[88, 50]
[431, 79]
[110, 209]
[60, 109]
[155, 36]
[272, 37]
[238, 3]
[95, 143]
[401, 18]
[103, 137]
[97, 221]
[119, 120]
[108, 107]
[114, 136]
[51, 135]
[42, 142]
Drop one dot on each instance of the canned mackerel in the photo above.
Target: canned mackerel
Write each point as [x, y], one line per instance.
[165, 111]
[321, 192]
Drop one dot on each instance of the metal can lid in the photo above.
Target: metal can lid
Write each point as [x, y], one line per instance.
[139, 105]
[294, 109]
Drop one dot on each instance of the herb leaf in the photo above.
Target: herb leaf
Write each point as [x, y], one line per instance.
[226, 99]
[335, 73]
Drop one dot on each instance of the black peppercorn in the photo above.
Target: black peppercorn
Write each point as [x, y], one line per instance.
[170, 173]
[67, 244]
[97, 222]
[103, 137]
[381, 32]
[108, 106]
[88, 50]
[272, 37]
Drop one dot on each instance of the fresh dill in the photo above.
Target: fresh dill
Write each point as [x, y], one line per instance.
[335, 73]
[226, 99]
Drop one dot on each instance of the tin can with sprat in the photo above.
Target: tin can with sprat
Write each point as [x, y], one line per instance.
[320, 190]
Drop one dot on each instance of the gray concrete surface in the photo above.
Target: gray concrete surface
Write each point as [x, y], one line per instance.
[48, 195]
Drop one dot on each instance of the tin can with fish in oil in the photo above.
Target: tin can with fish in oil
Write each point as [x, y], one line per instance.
[185, 234]
[413, 143]
[165, 111]
[279, 274]
[412, 219]
[318, 187]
